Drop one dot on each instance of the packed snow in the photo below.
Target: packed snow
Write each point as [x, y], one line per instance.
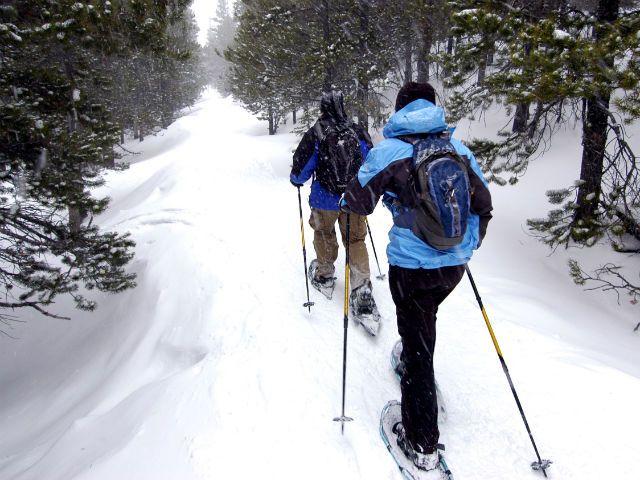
[211, 368]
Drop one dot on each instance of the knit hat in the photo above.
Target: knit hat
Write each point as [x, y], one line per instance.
[413, 91]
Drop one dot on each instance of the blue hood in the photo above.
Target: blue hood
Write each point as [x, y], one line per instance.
[420, 116]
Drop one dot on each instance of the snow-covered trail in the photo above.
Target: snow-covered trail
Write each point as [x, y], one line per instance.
[211, 367]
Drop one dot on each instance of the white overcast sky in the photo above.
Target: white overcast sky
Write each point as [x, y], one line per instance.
[204, 10]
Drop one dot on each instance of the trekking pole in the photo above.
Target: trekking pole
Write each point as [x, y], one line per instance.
[342, 418]
[381, 276]
[540, 464]
[308, 303]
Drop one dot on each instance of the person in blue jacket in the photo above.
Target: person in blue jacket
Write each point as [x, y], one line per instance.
[420, 277]
[325, 210]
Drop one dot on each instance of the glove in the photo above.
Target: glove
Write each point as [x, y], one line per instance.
[295, 184]
[344, 207]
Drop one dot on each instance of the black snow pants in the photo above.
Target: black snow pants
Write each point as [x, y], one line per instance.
[417, 293]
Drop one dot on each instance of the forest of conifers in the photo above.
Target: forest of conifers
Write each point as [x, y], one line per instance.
[78, 77]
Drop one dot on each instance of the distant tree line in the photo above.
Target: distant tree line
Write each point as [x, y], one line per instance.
[547, 63]
[220, 36]
[285, 53]
[76, 76]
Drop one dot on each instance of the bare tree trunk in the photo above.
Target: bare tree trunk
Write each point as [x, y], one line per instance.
[272, 123]
[594, 132]
[594, 142]
[522, 109]
[521, 118]
[408, 60]
[76, 217]
[482, 72]
[423, 51]
[450, 47]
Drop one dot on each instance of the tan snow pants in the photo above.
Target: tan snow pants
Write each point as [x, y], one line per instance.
[326, 244]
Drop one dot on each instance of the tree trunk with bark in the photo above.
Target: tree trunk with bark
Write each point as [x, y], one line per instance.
[423, 51]
[594, 132]
[408, 60]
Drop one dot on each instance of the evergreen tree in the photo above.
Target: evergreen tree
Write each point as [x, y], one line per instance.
[157, 69]
[260, 74]
[219, 37]
[565, 62]
[68, 77]
[56, 134]
[286, 53]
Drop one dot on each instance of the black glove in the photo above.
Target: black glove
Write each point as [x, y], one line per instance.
[295, 184]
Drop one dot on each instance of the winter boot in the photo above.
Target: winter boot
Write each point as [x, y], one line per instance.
[424, 461]
[324, 285]
[364, 309]
[361, 300]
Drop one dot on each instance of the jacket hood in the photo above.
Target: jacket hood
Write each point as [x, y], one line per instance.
[332, 106]
[420, 116]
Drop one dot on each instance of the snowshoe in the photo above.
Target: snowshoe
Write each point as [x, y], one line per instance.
[398, 367]
[324, 285]
[363, 308]
[390, 428]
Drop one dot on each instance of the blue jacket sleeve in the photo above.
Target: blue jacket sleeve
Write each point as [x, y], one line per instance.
[364, 149]
[307, 170]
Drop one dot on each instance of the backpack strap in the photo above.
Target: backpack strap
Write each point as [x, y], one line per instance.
[319, 131]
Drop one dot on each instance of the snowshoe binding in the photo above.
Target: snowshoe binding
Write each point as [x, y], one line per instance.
[424, 461]
[363, 308]
[324, 285]
[412, 464]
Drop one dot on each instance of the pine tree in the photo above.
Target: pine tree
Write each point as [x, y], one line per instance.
[287, 53]
[563, 62]
[68, 79]
[55, 138]
[157, 69]
[260, 75]
[220, 36]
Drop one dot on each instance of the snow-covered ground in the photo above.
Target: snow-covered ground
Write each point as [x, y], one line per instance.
[212, 369]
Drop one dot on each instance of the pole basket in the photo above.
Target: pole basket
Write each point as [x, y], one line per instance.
[343, 419]
[308, 304]
[541, 465]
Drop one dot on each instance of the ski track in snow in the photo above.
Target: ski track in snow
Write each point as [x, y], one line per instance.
[211, 367]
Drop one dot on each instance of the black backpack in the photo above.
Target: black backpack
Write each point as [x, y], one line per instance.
[339, 156]
[442, 191]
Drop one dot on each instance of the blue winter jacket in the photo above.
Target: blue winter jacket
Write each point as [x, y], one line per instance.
[386, 172]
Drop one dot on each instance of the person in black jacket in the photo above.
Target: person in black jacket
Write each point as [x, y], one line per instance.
[325, 210]
[420, 276]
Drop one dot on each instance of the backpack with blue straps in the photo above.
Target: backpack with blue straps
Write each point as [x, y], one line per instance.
[440, 182]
